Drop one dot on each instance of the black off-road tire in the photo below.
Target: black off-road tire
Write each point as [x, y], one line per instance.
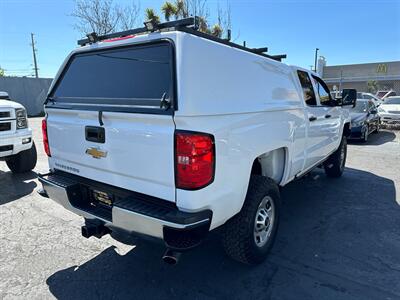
[24, 161]
[334, 165]
[238, 233]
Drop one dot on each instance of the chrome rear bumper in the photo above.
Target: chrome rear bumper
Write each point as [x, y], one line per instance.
[132, 213]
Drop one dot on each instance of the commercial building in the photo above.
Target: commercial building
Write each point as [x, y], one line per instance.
[367, 77]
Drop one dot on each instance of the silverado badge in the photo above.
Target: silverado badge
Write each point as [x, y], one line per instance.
[96, 153]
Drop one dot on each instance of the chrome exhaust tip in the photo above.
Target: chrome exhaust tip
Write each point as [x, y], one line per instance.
[171, 257]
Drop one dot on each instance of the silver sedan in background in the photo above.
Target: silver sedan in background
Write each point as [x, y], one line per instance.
[389, 110]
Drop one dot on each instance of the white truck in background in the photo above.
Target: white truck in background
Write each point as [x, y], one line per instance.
[17, 148]
[171, 133]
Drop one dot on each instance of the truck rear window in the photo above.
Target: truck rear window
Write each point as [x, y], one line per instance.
[130, 76]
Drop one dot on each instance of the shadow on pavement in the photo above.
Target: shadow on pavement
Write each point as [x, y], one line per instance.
[14, 186]
[338, 238]
[376, 139]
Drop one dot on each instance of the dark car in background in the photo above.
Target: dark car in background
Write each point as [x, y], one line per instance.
[364, 119]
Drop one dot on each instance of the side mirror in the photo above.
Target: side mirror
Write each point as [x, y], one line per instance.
[349, 97]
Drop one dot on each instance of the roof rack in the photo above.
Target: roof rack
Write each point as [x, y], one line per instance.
[188, 25]
[93, 37]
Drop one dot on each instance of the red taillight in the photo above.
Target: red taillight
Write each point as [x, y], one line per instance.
[45, 137]
[194, 159]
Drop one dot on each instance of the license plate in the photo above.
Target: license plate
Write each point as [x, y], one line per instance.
[103, 197]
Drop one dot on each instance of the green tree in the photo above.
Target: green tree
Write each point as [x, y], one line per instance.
[372, 86]
[181, 9]
[199, 8]
[217, 30]
[203, 26]
[152, 15]
[169, 9]
[1, 72]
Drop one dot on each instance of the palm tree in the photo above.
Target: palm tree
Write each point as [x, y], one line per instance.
[169, 9]
[217, 30]
[152, 15]
[181, 9]
[203, 27]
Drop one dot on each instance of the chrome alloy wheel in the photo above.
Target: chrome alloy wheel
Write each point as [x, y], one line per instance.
[264, 221]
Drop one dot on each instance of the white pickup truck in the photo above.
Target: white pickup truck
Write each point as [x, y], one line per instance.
[173, 133]
[17, 148]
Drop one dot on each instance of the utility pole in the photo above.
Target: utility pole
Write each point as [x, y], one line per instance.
[35, 67]
[315, 62]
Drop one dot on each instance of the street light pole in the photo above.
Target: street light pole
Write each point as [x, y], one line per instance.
[315, 62]
[35, 67]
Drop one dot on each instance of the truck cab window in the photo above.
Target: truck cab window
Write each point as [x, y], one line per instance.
[323, 91]
[308, 91]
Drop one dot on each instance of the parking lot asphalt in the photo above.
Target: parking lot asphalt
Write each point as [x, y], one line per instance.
[338, 239]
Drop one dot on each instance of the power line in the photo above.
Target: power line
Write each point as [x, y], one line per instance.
[35, 67]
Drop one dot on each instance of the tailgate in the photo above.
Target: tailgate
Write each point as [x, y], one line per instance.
[110, 118]
[137, 153]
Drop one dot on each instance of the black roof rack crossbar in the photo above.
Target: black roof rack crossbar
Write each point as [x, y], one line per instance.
[260, 50]
[86, 41]
[188, 25]
[279, 57]
[263, 50]
[187, 22]
[231, 44]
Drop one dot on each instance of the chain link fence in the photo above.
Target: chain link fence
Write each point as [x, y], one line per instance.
[389, 85]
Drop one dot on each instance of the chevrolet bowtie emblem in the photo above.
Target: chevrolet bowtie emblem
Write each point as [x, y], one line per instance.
[96, 153]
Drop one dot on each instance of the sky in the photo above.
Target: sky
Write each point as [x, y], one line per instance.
[346, 32]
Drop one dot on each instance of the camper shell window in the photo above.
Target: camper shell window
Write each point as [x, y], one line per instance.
[138, 76]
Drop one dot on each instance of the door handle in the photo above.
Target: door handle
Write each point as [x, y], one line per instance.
[95, 134]
[312, 118]
[327, 116]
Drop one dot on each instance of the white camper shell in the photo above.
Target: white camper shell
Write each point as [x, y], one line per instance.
[122, 112]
